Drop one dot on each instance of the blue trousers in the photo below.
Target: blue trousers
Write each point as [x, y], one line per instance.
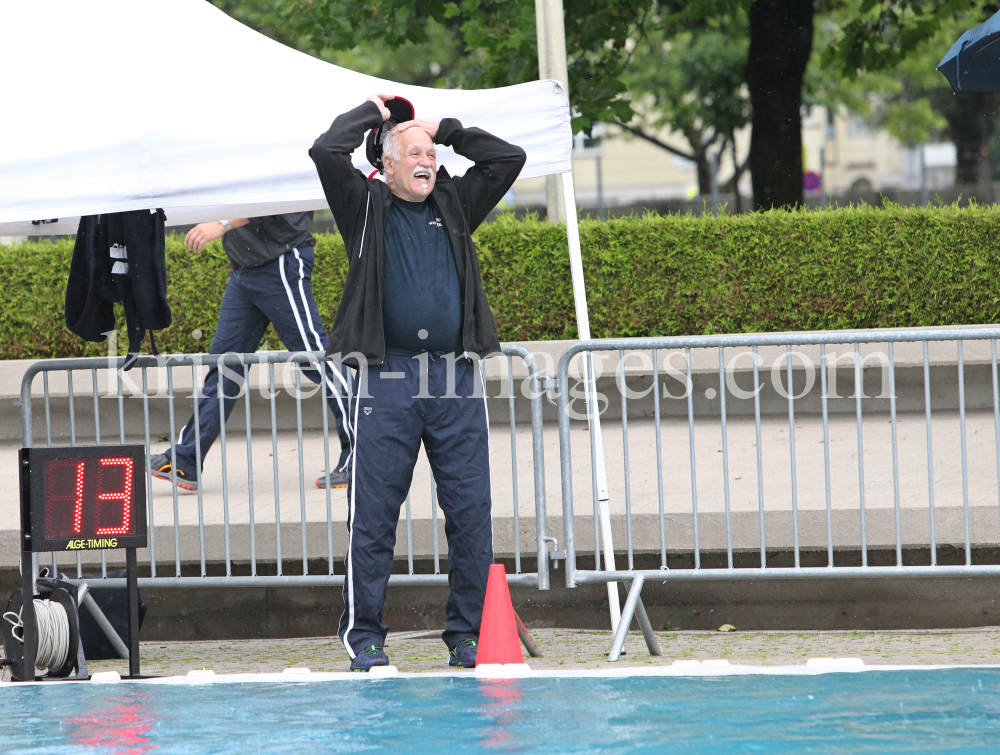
[390, 424]
[279, 292]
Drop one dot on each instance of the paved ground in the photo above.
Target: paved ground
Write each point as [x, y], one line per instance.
[579, 649]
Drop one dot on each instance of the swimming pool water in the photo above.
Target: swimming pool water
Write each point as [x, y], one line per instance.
[940, 711]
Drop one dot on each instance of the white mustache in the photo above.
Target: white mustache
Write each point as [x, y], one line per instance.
[421, 172]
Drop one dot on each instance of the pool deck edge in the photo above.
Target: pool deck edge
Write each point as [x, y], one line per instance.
[666, 671]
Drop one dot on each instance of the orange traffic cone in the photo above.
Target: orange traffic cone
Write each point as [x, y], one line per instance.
[498, 640]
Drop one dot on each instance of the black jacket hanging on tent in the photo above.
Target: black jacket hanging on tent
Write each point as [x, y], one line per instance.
[119, 257]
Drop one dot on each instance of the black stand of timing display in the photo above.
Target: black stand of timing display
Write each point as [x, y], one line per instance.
[30, 628]
[133, 612]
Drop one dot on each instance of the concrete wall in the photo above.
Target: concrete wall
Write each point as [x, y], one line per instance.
[833, 604]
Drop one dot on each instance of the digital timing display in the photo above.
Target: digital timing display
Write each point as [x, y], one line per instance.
[83, 498]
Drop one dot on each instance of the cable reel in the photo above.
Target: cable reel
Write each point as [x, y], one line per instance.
[58, 631]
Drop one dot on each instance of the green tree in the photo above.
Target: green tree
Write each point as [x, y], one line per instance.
[781, 35]
[692, 82]
[891, 51]
[616, 46]
[434, 62]
[904, 39]
[896, 100]
[495, 42]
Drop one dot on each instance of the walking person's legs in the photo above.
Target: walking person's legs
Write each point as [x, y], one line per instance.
[240, 328]
[286, 298]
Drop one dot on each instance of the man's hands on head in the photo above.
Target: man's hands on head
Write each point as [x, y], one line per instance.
[202, 233]
[430, 128]
[412, 173]
[380, 100]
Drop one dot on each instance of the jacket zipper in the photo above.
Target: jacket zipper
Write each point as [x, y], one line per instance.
[378, 270]
[361, 248]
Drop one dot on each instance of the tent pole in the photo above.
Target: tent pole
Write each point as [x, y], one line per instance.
[551, 37]
[583, 328]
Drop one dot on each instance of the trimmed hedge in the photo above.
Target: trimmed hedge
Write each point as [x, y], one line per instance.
[857, 267]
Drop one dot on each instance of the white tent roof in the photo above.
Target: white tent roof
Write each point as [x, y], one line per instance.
[114, 105]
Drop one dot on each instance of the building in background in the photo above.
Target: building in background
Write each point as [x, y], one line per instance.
[855, 159]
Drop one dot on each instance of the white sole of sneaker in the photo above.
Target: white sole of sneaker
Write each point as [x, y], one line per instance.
[180, 481]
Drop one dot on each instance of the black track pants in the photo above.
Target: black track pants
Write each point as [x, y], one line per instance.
[390, 425]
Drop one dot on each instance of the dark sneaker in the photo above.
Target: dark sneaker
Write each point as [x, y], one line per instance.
[373, 655]
[337, 479]
[160, 466]
[463, 654]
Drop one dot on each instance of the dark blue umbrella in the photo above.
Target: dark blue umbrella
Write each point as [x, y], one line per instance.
[973, 62]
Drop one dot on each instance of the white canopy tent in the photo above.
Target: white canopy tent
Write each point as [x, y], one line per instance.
[116, 105]
[121, 105]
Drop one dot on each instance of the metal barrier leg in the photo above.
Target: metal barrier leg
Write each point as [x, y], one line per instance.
[647, 629]
[627, 612]
[526, 639]
[82, 589]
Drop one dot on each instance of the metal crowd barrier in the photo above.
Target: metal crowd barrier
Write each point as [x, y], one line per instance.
[825, 515]
[235, 541]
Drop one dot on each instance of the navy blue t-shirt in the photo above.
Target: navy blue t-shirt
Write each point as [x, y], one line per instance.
[421, 294]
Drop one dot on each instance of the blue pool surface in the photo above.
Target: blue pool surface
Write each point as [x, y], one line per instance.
[939, 711]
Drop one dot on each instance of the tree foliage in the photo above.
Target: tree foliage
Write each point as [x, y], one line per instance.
[884, 58]
[878, 35]
[693, 82]
[650, 64]
[495, 40]
[430, 63]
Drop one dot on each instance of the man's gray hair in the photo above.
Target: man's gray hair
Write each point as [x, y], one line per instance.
[391, 145]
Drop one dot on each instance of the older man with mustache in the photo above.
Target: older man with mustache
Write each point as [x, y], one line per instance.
[414, 317]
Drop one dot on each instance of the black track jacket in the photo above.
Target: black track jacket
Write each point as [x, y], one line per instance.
[95, 283]
[360, 206]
